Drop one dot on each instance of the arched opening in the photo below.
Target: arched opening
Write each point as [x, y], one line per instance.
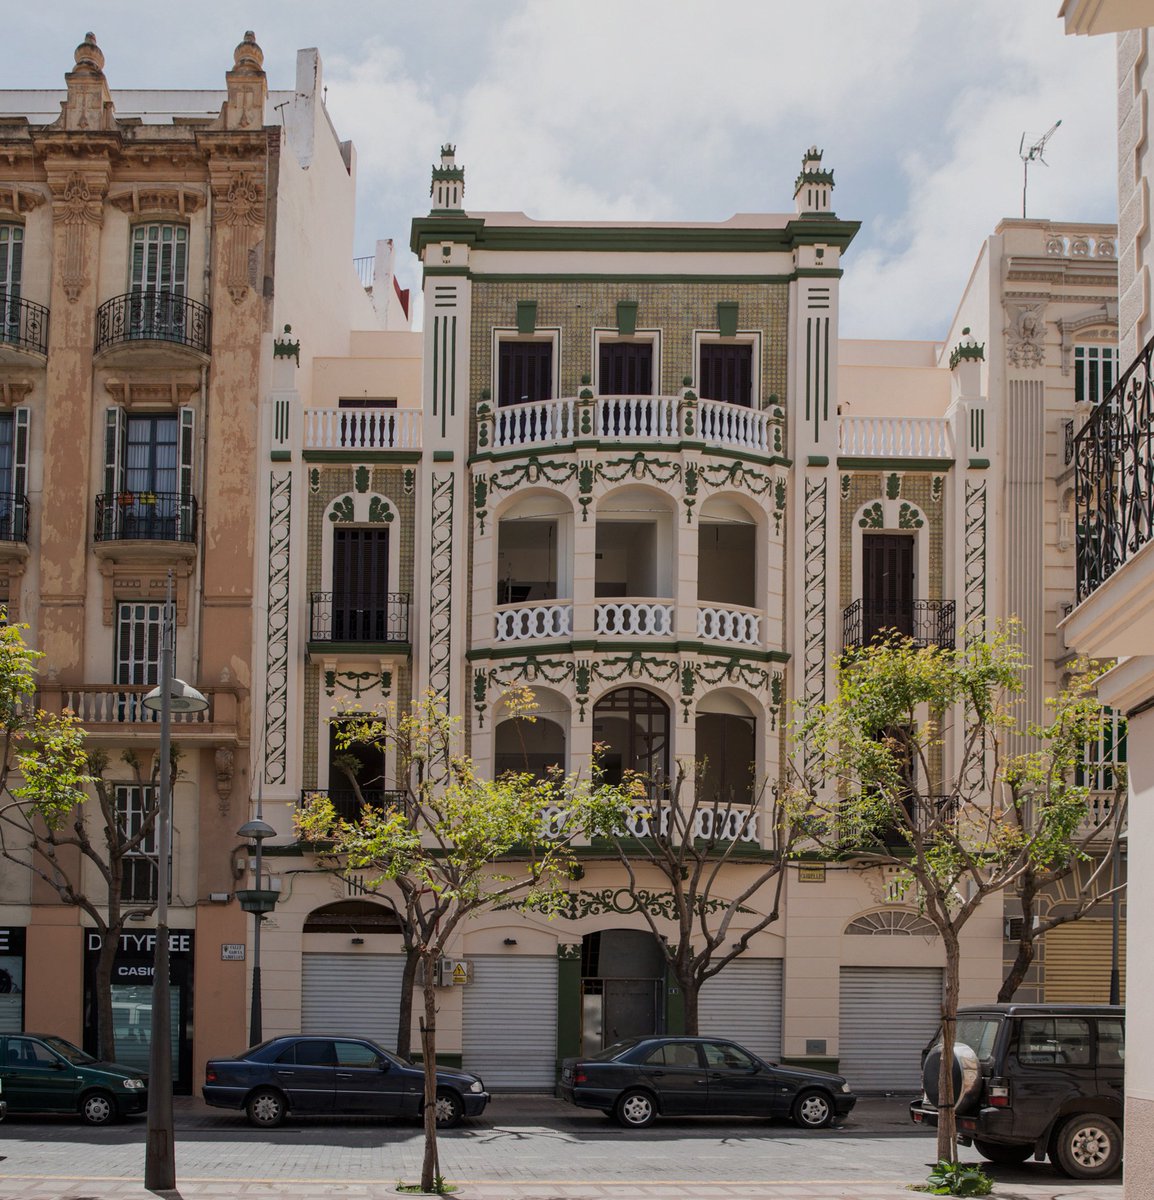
[726, 554]
[531, 747]
[726, 751]
[355, 917]
[622, 975]
[632, 725]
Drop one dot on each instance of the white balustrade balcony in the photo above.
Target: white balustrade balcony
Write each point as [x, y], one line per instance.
[540, 423]
[362, 429]
[638, 418]
[526, 622]
[729, 623]
[631, 418]
[754, 429]
[634, 618]
[896, 437]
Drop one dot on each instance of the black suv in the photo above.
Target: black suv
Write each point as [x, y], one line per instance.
[1036, 1079]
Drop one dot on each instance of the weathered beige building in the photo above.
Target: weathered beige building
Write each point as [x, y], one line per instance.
[151, 242]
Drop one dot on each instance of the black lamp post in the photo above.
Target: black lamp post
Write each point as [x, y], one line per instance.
[173, 695]
[257, 901]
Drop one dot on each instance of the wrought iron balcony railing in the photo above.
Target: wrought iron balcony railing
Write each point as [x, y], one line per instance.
[337, 617]
[13, 517]
[928, 622]
[145, 516]
[1114, 476]
[23, 324]
[346, 805]
[153, 317]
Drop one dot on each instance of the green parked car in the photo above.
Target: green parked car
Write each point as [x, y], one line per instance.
[42, 1073]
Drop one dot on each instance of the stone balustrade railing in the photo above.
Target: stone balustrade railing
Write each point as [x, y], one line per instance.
[523, 622]
[896, 437]
[652, 618]
[710, 823]
[728, 623]
[362, 429]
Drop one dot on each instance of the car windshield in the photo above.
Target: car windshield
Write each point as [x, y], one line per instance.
[614, 1051]
[69, 1052]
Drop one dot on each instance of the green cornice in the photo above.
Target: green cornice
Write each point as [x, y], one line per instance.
[369, 456]
[818, 273]
[618, 277]
[895, 464]
[474, 231]
[349, 649]
[442, 271]
[608, 446]
[979, 464]
[281, 455]
[616, 646]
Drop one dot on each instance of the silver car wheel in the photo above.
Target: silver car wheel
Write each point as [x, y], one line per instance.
[98, 1108]
[637, 1109]
[1091, 1147]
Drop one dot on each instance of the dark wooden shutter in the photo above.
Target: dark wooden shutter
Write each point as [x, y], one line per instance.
[524, 372]
[360, 585]
[887, 584]
[626, 369]
[727, 373]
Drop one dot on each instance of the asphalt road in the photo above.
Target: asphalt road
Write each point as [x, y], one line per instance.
[520, 1140]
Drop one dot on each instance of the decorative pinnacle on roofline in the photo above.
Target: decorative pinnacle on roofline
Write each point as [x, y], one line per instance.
[448, 186]
[967, 348]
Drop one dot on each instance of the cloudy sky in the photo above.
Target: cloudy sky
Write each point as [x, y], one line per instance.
[669, 110]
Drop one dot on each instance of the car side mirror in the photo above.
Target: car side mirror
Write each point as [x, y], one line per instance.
[384, 1064]
[57, 1065]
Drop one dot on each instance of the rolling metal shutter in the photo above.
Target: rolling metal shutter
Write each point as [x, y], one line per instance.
[887, 1016]
[510, 1022]
[744, 1003]
[355, 994]
[1077, 963]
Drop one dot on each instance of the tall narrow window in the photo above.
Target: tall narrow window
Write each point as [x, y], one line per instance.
[1095, 372]
[134, 804]
[138, 631]
[361, 585]
[13, 475]
[524, 372]
[11, 271]
[148, 476]
[727, 372]
[626, 369]
[159, 280]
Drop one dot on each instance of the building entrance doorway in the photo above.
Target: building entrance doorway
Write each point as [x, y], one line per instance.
[622, 986]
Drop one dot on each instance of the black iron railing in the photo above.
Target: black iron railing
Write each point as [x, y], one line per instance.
[145, 516]
[928, 622]
[23, 324]
[153, 317]
[1068, 446]
[1114, 476]
[347, 806]
[338, 617]
[13, 517]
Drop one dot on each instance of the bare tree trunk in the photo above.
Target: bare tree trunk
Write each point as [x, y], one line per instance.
[430, 1165]
[689, 999]
[1021, 966]
[105, 1032]
[947, 1116]
[405, 1012]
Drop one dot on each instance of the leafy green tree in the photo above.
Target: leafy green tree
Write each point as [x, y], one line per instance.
[47, 828]
[870, 784]
[714, 867]
[457, 844]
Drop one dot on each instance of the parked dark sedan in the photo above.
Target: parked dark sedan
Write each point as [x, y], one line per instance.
[643, 1078]
[43, 1073]
[310, 1074]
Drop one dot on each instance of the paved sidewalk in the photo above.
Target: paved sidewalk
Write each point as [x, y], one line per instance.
[80, 1188]
[527, 1148]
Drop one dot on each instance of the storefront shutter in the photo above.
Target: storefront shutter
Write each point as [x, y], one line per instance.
[743, 1003]
[510, 1034]
[355, 994]
[1077, 963]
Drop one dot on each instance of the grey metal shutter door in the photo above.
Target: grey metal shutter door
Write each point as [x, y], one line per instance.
[356, 994]
[510, 1022]
[744, 1003]
[888, 1014]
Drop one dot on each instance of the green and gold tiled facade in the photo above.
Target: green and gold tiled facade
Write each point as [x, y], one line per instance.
[676, 309]
[326, 484]
[396, 484]
[918, 497]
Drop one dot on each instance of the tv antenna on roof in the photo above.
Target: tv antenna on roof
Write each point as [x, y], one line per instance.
[1029, 154]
